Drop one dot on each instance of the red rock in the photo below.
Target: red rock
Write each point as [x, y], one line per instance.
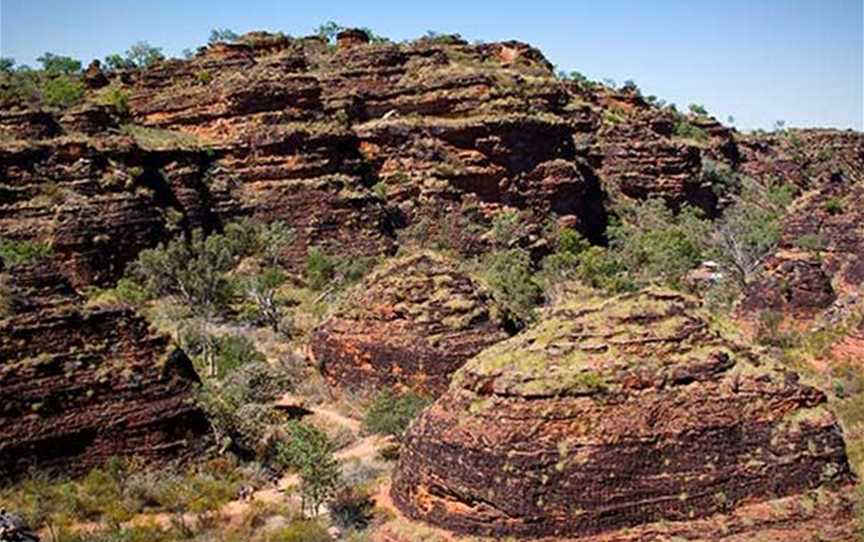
[618, 413]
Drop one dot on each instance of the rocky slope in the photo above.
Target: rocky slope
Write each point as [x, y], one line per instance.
[79, 385]
[616, 413]
[411, 323]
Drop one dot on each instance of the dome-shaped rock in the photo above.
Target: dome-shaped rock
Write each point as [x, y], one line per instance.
[411, 323]
[611, 414]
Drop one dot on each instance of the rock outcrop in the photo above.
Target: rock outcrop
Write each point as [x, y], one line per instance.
[81, 384]
[616, 413]
[411, 323]
[821, 253]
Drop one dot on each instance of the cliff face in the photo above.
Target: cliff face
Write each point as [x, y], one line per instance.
[411, 323]
[79, 385]
[611, 414]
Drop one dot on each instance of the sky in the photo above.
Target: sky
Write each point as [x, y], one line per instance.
[760, 61]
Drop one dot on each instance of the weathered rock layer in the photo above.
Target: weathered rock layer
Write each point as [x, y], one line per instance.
[79, 385]
[411, 323]
[611, 414]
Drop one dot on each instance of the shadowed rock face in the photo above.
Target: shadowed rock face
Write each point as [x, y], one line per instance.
[80, 385]
[611, 414]
[411, 323]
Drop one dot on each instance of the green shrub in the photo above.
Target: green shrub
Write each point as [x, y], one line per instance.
[508, 274]
[320, 268]
[301, 531]
[118, 98]
[652, 244]
[505, 227]
[222, 35]
[16, 253]
[351, 508]
[59, 65]
[833, 206]
[62, 91]
[811, 241]
[264, 304]
[687, 130]
[391, 413]
[221, 355]
[697, 109]
[192, 269]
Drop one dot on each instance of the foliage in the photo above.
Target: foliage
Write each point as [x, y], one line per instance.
[261, 292]
[300, 531]
[351, 508]
[220, 35]
[6, 65]
[118, 98]
[143, 55]
[62, 91]
[192, 269]
[687, 130]
[221, 355]
[391, 413]
[239, 405]
[329, 30]
[140, 55]
[698, 109]
[811, 241]
[749, 230]
[769, 331]
[720, 177]
[15, 253]
[833, 206]
[505, 227]
[309, 452]
[652, 244]
[508, 275]
[59, 65]
[320, 268]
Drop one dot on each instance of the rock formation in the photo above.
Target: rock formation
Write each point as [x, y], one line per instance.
[81, 384]
[617, 413]
[411, 323]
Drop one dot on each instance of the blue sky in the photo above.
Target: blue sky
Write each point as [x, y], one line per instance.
[759, 60]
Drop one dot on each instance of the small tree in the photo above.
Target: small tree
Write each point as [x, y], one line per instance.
[750, 230]
[6, 65]
[219, 35]
[191, 269]
[144, 55]
[261, 291]
[698, 109]
[508, 274]
[329, 30]
[391, 413]
[56, 65]
[310, 452]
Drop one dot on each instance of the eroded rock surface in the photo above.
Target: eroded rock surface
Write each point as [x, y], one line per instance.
[80, 384]
[612, 414]
[411, 323]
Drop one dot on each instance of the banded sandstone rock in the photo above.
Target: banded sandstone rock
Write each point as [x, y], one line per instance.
[613, 414]
[411, 323]
[80, 385]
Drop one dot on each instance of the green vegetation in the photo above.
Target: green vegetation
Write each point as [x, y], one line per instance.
[323, 271]
[139, 56]
[308, 451]
[833, 206]
[690, 132]
[320, 268]
[391, 413]
[155, 139]
[14, 253]
[509, 277]
[222, 35]
[698, 109]
[220, 355]
[653, 244]
[57, 84]
[301, 531]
